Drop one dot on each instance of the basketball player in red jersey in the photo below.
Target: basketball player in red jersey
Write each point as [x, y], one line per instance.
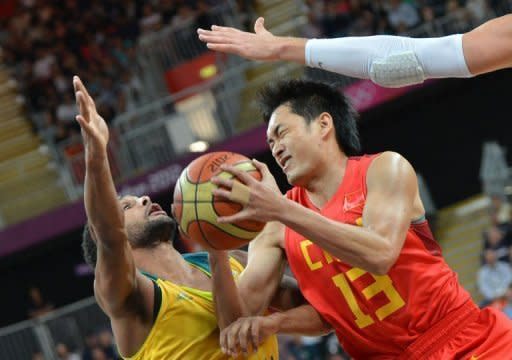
[354, 234]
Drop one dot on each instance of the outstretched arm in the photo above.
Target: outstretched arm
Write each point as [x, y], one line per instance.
[489, 47]
[250, 332]
[258, 282]
[118, 288]
[115, 269]
[391, 61]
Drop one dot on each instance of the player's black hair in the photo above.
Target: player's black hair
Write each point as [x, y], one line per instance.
[309, 99]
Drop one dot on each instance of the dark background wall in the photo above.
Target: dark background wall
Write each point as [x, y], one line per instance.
[440, 129]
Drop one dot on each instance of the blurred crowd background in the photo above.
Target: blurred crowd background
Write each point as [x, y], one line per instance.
[166, 97]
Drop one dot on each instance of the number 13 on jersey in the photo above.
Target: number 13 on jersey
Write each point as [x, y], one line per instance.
[382, 284]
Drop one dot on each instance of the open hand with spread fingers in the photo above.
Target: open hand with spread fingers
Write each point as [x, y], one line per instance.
[260, 45]
[247, 333]
[95, 131]
[262, 200]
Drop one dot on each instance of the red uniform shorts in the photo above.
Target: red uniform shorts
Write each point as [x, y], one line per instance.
[470, 334]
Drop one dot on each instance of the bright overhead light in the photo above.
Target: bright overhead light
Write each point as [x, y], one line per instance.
[198, 146]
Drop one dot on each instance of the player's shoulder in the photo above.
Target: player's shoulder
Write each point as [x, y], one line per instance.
[387, 160]
[389, 166]
[384, 158]
[387, 156]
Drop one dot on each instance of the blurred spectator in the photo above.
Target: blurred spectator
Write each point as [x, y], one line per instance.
[244, 10]
[402, 15]
[42, 68]
[478, 9]
[106, 344]
[291, 347]
[99, 345]
[500, 210]
[67, 110]
[336, 18]
[436, 6]
[333, 349]
[454, 10]
[185, 16]
[312, 348]
[203, 18]
[383, 27]
[151, 20]
[493, 278]
[38, 355]
[427, 14]
[497, 238]
[363, 25]
[38, 305]
[507, 308]
[452, 6]
[312, 29]
[99, 354]
[91, 343]
[63, 353]
[168, 9]
[130, 89]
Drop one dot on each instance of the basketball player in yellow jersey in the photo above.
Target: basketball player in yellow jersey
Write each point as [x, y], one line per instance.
[159, 302]
[184, 322]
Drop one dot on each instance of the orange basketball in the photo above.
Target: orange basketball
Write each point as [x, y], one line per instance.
[196, 209]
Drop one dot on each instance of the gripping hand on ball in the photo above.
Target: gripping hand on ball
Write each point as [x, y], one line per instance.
[261, 199]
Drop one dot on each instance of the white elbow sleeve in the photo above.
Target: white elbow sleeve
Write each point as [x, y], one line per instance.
[390, 61]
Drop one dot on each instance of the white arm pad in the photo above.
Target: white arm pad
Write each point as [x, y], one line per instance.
[390, 60]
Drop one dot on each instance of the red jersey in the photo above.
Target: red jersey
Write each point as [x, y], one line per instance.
[374, 316]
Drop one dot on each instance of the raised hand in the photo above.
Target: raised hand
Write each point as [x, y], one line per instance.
[247, 333]
[261, 199]
[94, 129]
[260, 45]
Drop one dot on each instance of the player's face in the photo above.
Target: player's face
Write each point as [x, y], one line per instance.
[295, 145]
[145, 221]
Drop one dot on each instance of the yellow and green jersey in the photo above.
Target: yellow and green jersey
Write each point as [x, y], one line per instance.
[186, 327]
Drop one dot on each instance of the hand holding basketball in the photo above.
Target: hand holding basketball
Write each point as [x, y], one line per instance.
[196, 208]
[260, 198]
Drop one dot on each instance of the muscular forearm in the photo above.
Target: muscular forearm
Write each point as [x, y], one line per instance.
[303, 320]
[229, 305]
[355, 245]
[100, 197]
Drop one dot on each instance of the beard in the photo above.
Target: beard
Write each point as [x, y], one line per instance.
[152, 232]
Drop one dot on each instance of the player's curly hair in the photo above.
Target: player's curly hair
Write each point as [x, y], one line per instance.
[90, 250]
[309, 99]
